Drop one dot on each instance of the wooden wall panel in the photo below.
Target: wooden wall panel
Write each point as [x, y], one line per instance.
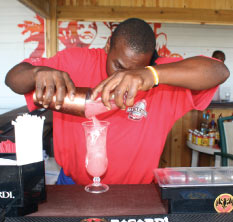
[163, 15]
[171, 4]
[41, 7]
[176, 144]
[176, 153]
[198, 4]
[167, 11]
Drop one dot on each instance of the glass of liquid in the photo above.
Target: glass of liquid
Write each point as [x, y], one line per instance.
[96, 156]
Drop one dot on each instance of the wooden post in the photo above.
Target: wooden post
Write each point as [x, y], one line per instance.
[51, 30]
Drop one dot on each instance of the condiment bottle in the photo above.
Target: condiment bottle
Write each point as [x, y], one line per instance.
[190, 134]
[81, 105]
[205, 140]
[194, 137]
[211, 140]
[199, 139]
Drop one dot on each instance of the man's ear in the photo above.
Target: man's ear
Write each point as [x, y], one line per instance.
[107, 46]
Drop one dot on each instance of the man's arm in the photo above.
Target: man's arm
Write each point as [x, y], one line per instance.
[24, 77]
[196, 73]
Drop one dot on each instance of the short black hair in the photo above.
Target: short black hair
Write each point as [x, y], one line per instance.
[217, 53]
[137, 34]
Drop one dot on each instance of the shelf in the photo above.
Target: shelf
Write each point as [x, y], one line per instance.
[219, 104]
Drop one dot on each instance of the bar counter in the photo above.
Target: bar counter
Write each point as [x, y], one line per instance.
[74, 201]
[122, 203]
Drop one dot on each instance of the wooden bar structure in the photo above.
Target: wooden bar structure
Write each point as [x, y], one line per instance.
[218, 12]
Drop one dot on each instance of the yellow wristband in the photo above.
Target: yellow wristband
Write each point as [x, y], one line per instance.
[155, 74]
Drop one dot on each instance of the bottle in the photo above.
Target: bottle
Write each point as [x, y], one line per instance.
[217, 136]
[194, 137]
[207, 121]
[205, 140]
[204, 123]
[203, 127]
[212, 123]
[82, 105]
[199, 139]
[211, 139]
[190, 135]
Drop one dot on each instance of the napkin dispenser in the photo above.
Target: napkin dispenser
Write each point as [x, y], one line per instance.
[22, 187]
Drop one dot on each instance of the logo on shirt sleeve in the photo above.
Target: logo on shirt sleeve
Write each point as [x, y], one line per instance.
[138, 111]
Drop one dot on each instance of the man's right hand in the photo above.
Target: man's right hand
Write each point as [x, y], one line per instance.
[49, 82]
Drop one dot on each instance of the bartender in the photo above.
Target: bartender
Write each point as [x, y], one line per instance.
[160, 90]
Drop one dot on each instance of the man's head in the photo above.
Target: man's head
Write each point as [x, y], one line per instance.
[219, 55]
[131, 46]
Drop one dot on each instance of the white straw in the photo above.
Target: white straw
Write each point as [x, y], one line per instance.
[28, 138]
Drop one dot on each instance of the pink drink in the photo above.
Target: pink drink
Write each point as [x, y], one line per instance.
[94, 108]
[96, 164]
[96, 157]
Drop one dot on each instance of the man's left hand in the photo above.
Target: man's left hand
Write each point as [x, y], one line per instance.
[124, 85]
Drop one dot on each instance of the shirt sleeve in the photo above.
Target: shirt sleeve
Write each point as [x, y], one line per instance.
[186, 100]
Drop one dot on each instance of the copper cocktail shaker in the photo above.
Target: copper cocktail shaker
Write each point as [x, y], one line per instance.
[74, 107]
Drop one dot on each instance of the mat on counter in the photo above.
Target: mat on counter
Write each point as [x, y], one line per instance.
[145, 218]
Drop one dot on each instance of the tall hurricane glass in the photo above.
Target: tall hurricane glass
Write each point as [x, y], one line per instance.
[96, 155]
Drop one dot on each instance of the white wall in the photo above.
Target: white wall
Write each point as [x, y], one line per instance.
[186, 40]
[12, 47]
[191, 40]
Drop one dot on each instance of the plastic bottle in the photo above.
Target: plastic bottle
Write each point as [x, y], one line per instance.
[82, 105]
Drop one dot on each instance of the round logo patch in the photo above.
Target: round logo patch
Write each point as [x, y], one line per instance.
[224, 203]
[138, 111]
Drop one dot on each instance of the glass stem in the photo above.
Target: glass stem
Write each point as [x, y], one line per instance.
[96, 181]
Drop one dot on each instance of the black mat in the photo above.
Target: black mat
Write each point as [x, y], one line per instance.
[145, 218]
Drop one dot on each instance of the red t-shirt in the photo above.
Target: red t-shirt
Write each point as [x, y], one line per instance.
[134, 147]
